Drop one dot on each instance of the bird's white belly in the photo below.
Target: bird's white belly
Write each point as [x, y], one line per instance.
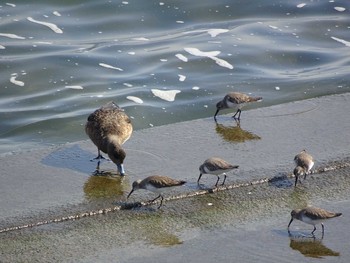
[309, 221]
[234, 105]
[310, 166]
[216, 172]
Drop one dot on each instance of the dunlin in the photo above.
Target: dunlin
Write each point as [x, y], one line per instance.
[157, 184]
[304, 162]
[235, 100]
[108, 128]
[313, 216]
[216, 166]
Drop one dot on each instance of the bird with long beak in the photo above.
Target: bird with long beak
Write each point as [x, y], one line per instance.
[157, 184]
[313, 216]
[304, 163]
[235, 100]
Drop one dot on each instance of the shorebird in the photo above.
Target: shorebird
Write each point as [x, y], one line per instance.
[216, 166]
[312, 216]
[108, 128]
[235, 100]
[157, 184]
[304, 162]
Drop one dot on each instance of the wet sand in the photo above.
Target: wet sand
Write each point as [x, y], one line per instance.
[244, 224]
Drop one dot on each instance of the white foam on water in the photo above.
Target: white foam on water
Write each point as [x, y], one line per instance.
[168, 95]
[2, 47]
[180, 22]
[109, 66]
[196, 52]
[340, 9]
[131, 53]
[135, 99]
[273, 27]
[74, 87]
[182, 77]
[127, 84]
[125, 2]
[277, 88]
[163, 60]
[43, 43]
[212, 32]
[10, 4]
[301, 5]
[141, 39]
[15, 81]
[181, 57]
[216, 31]
[195, 88]
[346, 43]
[56, 13]
[11, 36]
[52, 26]
[211, 54]
[222, 63]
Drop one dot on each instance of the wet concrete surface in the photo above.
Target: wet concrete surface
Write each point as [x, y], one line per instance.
[246, 223]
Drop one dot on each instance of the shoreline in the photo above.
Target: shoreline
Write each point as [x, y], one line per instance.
[57, 181]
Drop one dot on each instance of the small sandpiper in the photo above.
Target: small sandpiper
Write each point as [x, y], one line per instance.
[216, 166]
[157, 184]
[304, 162]
[108, 128]
[235, 100]
[312, 216]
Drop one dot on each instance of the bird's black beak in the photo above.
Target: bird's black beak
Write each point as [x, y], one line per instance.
[130, 193]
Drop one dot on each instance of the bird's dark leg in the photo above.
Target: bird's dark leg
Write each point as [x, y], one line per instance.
[161, 201]
[217, 181]
[296, 181]
[322, 228]
[99, 156]
[216, 113]
[234, 116]
[224, 179]
[313, 230]
[97, 170]
[239, 115]
[156, 198]
[199, 178]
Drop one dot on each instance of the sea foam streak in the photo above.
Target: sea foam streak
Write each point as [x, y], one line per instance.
[135, 99]
[212, 32]
[11, 36]
[16, 82]
[74, 87]
[168, 95]
[346, 43]
[196, 52]
[181, 57]
[211, 54]
[52, 26]
[109, 66]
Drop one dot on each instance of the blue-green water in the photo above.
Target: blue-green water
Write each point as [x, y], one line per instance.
[62, 59]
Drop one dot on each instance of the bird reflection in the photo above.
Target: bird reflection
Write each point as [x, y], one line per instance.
[106, 186]
[311, 247]
[235, 133]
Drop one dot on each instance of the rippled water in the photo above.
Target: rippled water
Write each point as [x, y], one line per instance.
[62, 59]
